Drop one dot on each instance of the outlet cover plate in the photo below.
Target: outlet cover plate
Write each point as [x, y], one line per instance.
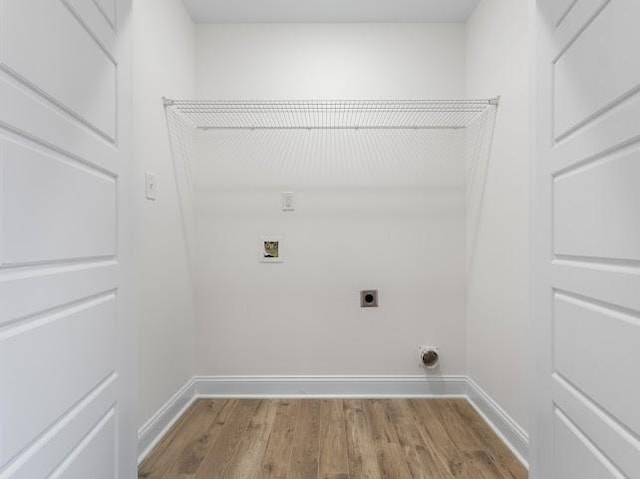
[369, 298]
[288, 201]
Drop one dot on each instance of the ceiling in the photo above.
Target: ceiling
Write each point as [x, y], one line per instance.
[274, 11]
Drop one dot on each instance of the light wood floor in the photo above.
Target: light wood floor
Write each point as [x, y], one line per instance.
[331, 439]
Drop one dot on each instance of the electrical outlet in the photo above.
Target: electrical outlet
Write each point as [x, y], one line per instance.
[369, 298]
[150, 185]
[288, 201]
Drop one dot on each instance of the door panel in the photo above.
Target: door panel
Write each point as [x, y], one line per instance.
[594, 208]
[95, 456]
[79, 367]
[601, 358]
[63, 60]
[587, 78]
[57, 442]
[72, 207]
[617, 443]
[586, 311]
[66, 338]
[576, 456]
[30, 115]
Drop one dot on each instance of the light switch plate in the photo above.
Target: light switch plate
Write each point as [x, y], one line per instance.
[150, 185]
[288, 201]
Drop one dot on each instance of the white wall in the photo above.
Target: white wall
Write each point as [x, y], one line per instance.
[371, 212]
[498, 64]
[163, 65]
[330, 61]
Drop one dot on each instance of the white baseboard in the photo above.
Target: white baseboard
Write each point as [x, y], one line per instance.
[333, 386]
[150, 434]
[503, 425]
[330, 386]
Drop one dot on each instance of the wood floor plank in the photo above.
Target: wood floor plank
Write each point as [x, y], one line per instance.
[404, 420]
[247, 459]
[414, 441]
[493, 445]
[446, 410]
[432, 425]
[484, 466]
[306, 442]
[363, 461]
[224, 447]
[275, 462]
[204, 430]
[382, 428]
[474, 459]
[334, 461]
[422, 464]
[332, 439]
[165, 453]
[391, 461]
[389, 453]
[450, 458]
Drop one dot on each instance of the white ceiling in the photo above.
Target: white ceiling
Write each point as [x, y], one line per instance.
[272, 11]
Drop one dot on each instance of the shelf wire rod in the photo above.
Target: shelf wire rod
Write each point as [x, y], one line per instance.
[221, 118]
[348, 113]
[289, 114]
[296, 112]
[269, 117]
[377, 115]
[406, 116]
[306, 115]
[360, 113]
[344, 119]
[332, 114]
[235, 120]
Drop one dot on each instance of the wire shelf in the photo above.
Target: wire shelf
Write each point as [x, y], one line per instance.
[331, 114]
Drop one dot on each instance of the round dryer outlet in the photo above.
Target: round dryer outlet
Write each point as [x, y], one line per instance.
[429, 356]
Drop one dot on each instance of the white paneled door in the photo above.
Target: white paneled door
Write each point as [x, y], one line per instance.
[587, 240]
[66, 338]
